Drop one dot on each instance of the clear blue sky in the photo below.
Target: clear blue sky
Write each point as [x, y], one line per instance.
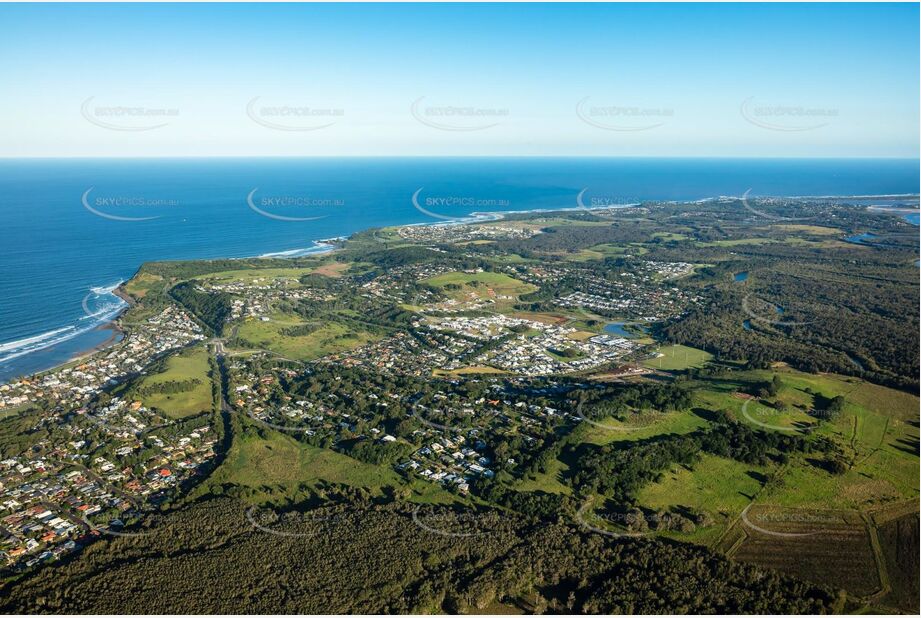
[653, 80]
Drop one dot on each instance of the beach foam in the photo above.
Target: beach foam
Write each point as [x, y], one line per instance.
[97, 317]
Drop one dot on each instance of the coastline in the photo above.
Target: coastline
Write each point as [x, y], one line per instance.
[116, 335]
[125, 296]
[898, 209]
[326, 246]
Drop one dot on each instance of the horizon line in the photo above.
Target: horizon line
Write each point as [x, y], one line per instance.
[449, 156]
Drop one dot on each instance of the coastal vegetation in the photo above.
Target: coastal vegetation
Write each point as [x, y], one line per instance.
[436, 380]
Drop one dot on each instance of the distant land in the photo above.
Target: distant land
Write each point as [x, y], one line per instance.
[72, 240]
[707, 405]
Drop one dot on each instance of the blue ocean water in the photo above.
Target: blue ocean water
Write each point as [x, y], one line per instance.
[73, 228]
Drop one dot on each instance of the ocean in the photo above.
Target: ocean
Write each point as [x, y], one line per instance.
[73, 229]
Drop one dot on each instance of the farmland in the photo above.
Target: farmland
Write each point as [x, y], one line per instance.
[829, 547]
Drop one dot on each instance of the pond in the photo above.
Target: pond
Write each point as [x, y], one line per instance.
[742, 276]
[617, 328]
[861, 239]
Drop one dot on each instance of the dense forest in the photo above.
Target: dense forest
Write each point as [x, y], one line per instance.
[216, 556]
[212, 309]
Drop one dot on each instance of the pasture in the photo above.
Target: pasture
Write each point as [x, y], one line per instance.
[327, 338]
[460, 285]
[273, 467]
[189, 365]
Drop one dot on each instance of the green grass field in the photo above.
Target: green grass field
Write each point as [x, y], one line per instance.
[483, 285]
[819, 230]
[142, 283]
[256, 275]
[718, 486]
[274, 466]
[875, 433]
[670, 236]
[191, 364]
[548, 481]
[736, 242]
[678, 357]
[608, 249]
[640, 427]
[329, 338]
[584, 255]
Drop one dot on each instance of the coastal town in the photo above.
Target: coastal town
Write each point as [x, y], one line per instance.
[105, 455]
[121, 457]
[454, 233]
[443, 436]
[78, 382]
[109, 457]
[444, 372]
[460, 309]
[99, 461]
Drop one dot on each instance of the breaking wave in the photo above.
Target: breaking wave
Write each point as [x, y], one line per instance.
[100, 306]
